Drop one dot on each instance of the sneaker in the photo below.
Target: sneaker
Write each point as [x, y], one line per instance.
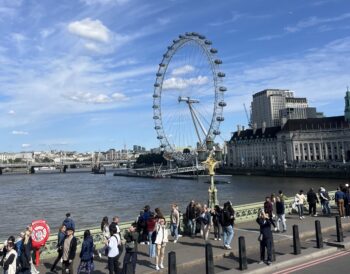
[61, 260]
[157, 267]
[179, 235]
[215, 239]
[161, 266]
[219, 239]
[269, 263]
[99, 254]
[175, 241]
[276, 229]
[142, 243]
[228, 247]
[300, 218]
[261, 262]
[303, 217]
[315, 215]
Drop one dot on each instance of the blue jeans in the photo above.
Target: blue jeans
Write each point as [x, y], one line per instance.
[192, 226]
[228, 234]
[174, 231]
[325, 207]
[152, 247]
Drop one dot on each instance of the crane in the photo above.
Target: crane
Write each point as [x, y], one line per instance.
[248, 118]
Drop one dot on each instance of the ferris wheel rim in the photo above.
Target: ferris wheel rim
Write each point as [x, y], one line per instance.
[217, 76]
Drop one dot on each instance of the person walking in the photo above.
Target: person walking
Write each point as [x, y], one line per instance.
[113, 250]
[339, 200]
[69, 251]
[312, 200]
[24, 254]
[60, 239]
[68, 222]
[216, 216]
[281, 216]
[161, 241]
[299, 200]
[227, 222]
[174, 222]
[131, 237]
[265, 237]
[324, 197]
[268, 206]
[86, 254]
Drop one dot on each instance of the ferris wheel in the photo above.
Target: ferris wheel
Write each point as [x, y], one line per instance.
[188, 98]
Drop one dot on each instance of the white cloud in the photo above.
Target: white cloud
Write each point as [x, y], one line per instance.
[90, 29]
[11, 112]
[46, 32]
[90, 98]
[18, 37]
[182, 70]
[315, 21]
[181, 83]
[26, 145]
[19, 132]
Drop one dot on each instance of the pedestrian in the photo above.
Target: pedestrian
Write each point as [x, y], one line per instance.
[299, 200]
[312, 200]
[25, 258]
[324, 197]
[227, 222]
[174, 222]
[87, 254]
[113, 250]
[151, 226]
[131, 237]
[268, 207]
[161, 241]
[216, 216]
[205, 220]
[282, 196]
[69, 251]
[191, 218]
[347, 201]
[339, 200]
[265, 237]
[106, 235]
[281, 216]
[146, 214]
[28, 234]
[68, 222]
[10, 259]
[60, 240]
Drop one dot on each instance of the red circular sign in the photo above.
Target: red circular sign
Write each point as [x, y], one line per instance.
[40, 233]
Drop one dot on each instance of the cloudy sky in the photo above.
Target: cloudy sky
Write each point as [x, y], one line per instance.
[79, 74]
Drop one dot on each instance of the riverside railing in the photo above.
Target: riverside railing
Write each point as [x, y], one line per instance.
[244, 213]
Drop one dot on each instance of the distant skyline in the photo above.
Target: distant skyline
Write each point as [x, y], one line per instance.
[79, 74]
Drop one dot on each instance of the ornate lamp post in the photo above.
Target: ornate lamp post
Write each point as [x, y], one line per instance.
[210, 164]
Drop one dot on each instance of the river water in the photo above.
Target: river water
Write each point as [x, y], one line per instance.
[89, 197]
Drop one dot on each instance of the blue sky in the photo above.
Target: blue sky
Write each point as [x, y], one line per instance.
[79, 74]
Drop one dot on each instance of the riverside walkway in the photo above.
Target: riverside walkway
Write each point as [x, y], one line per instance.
[190, 253]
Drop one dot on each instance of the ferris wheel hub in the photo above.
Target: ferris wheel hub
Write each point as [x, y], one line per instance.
[188, 100]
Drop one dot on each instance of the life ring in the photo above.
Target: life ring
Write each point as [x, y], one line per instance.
[40, 233]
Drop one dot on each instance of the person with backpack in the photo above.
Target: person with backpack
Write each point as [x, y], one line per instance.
[60, 239]
[227, 222]
[205, 220]
[113, 250]
[131, 237]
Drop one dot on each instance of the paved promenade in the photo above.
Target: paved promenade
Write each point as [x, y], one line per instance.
[190, 253]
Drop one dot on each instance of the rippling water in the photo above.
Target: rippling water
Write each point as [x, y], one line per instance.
[89, 197]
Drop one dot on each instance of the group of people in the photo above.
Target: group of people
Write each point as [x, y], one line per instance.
[16, 255]
[199, 218]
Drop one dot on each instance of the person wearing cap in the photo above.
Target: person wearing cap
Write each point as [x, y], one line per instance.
[69, 251]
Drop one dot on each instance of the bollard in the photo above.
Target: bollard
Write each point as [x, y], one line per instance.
[273, 253]
[209, 261]
[129, 268]
[340, 237]
[296, 240]
[319, 238]
[172, 263]
[242, 254]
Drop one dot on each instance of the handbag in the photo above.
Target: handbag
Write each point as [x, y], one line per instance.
[129, 245]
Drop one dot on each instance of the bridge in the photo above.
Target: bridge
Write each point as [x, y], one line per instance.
[63, 165]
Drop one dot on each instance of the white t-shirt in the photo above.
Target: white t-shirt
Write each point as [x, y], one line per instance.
[113, 246]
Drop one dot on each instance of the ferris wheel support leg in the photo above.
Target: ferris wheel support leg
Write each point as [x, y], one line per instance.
[195, 124]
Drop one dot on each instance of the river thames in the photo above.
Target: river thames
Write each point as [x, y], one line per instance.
[89, 197]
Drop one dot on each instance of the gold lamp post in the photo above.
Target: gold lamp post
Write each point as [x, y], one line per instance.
[210, 163]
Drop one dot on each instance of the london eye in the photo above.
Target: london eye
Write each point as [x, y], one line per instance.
[188, 98]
